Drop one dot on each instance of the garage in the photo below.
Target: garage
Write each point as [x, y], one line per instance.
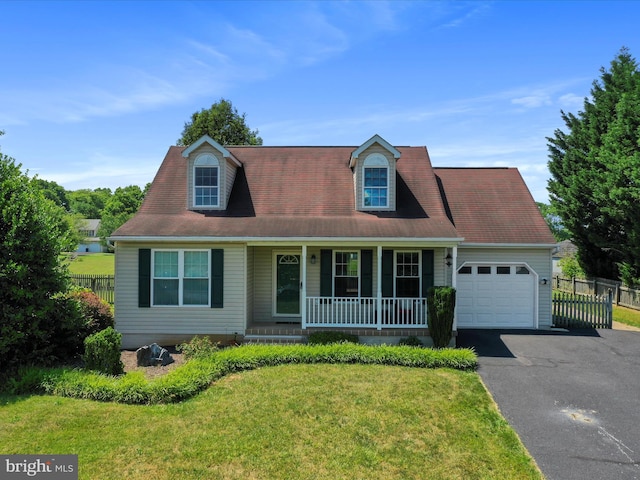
[496, 296]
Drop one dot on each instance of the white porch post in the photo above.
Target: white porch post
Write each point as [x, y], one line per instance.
[454, 282]
[379, 289]
[303, 289]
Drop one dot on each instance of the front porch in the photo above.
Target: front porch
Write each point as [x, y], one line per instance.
[348, 312]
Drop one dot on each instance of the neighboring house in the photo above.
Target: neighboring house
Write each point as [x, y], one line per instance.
[566, 248]
[90, 242]
[268, 241]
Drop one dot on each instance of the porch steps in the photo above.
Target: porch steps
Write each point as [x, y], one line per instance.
[278, 339]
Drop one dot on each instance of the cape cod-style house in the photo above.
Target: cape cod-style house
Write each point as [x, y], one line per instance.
[274, 242]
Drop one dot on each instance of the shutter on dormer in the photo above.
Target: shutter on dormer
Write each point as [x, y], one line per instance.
[144, 277]
[427, 271]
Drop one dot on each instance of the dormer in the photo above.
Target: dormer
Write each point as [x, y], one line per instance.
[211, 171]
[374, 175]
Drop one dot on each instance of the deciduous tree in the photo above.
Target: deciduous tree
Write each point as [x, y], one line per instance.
[221, 122]
[33, 234]
[122, 205]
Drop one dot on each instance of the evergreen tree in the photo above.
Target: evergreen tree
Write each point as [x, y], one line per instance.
[595, 169]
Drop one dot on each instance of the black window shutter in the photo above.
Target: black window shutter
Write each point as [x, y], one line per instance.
[427, 271]
[387, 273]
[366, 272]
[217, 278]
[144, 277]
[326, 263]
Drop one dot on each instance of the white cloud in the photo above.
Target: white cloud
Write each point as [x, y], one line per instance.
[533, 101]
[103, 171]
[571, 101]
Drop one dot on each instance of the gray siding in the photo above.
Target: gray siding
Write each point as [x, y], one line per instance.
[168, 325]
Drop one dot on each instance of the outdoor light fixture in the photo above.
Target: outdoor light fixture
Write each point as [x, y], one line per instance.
[313, 259]
[448, 259]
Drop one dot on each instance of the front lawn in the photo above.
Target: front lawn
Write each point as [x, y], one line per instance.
[316, 421]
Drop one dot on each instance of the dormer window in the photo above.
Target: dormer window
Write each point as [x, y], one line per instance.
[376, 181]
[206, 181]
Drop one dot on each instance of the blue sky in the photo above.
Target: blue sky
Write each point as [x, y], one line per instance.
[92, 94]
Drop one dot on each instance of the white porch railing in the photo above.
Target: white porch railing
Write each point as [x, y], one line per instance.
[363, 312]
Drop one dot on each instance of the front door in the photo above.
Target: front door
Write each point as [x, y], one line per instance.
[287, 284]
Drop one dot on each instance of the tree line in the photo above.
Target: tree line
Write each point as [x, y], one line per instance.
[42, 320]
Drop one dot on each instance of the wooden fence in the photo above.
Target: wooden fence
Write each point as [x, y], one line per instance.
[624, 296]
[102, 285]
[577, 310]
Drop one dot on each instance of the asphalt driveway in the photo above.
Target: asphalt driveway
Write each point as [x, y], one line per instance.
[573, 397]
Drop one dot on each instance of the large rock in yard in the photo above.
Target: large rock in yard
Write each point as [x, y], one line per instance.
[152, 355]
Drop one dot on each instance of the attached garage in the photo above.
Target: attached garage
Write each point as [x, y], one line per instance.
[496, 295]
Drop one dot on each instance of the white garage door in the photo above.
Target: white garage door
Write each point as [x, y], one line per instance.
[495, 296]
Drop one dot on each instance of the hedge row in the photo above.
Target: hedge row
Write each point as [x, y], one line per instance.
[198, 373]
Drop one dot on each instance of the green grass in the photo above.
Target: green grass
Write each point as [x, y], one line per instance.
[315, 421]
[93, 264]
[626, 315]
[197, 374]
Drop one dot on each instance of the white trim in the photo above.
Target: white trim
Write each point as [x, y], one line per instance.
[375, 139]
[333, 270]
[296, 241]
[207, 139]
[507, 245]
[395, 271]
[376, 161]
[181, 277]
[212, 162]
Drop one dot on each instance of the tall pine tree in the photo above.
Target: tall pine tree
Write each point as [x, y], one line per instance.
[595, 169]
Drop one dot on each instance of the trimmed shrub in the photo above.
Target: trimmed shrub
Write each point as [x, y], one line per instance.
[97, 313]
[198, 347]
[441, 302]
[197, 374]
[102, 352]
[324, 338]
[411, 341]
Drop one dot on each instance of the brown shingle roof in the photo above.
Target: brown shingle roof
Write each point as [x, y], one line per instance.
[289, 192]
[493, 205]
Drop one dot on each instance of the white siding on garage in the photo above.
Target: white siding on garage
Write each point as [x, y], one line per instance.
[170, 325]
[539, 260]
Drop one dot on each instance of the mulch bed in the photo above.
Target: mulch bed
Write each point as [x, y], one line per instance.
[130, 361]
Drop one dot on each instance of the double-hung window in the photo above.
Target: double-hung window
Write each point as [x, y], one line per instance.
[206, 181]
[407, 274]
[181, 277]
[376, 182]
[346, 274]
